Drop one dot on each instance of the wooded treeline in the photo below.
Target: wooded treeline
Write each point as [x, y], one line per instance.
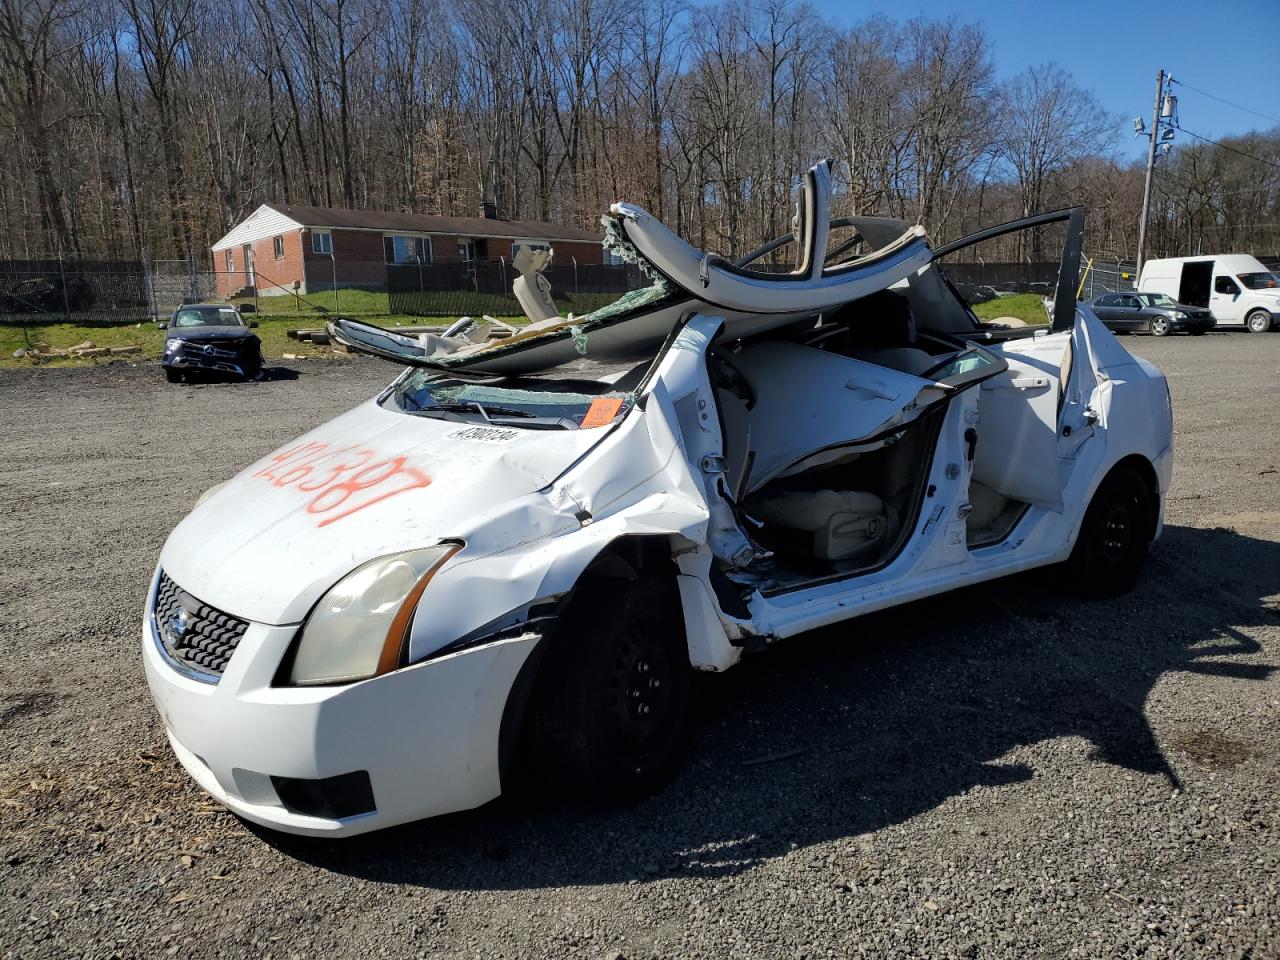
[149, 127]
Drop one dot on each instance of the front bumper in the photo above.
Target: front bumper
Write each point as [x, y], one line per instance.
[1186, 326]
[241, 363]
[427, 735]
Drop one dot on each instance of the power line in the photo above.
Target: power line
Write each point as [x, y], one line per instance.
[1211, 96]
[1249, 156]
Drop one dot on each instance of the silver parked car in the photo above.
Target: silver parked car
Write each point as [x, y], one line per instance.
[1155, 313]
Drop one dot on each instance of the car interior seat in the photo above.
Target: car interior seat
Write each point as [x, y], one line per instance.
[882, 330]
[845, 524]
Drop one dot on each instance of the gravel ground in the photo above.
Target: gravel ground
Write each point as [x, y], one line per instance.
[998, 773]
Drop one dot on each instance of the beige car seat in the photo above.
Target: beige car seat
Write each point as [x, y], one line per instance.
[846, 524]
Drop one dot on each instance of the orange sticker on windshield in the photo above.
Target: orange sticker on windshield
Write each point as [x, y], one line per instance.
[602, 411]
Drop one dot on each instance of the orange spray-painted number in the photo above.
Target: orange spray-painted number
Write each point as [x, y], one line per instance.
[344, 480]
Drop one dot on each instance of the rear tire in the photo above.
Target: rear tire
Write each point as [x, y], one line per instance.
[1114, 535]
[1258, 322]
[613, 695]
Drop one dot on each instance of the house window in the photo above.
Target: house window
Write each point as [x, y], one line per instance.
[518, 245]
[277, 244]
[401, 249]
[231, 261]
[612, 259]
[321, 242]
[466, 250]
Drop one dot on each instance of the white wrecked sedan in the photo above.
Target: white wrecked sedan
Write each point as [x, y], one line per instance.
[528, 543]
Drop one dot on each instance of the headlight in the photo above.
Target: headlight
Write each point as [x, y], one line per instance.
[172, 343]
[359, 627]
[1179, 315]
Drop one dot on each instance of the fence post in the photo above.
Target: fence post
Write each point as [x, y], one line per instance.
[575, 275]
[148, 285]
[66, 306]
[333, 265]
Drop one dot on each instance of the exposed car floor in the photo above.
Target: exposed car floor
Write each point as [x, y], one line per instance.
[994, 773]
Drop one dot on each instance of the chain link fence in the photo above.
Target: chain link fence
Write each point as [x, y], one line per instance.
[87, 292]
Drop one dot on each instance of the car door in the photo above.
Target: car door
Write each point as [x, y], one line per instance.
[1127, 314]
[1019, 411]
[1105, 309]
[1225, 300]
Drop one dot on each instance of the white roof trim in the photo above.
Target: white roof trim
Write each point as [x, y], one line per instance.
[263, 222]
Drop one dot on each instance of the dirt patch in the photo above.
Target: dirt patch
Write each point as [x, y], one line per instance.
[1213, 748]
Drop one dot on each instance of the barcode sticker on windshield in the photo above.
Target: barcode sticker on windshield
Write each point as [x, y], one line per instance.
[485, 434]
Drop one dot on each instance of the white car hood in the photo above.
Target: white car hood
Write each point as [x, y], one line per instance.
[267, 544]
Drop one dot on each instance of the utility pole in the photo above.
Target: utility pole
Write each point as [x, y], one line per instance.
[1151, 166]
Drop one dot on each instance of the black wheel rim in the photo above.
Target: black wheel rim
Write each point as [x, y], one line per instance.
[641, 684]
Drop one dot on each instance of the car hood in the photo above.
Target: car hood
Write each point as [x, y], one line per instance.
[210, 333]
[268, 543]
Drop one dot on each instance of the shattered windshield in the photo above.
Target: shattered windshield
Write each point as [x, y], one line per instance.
[566, 402]
[207, 317]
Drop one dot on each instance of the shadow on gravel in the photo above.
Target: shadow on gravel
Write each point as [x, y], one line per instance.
[854, 728]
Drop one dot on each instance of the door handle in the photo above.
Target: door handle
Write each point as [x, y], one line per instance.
[971, 443]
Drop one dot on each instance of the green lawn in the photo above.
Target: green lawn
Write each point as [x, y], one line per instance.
[1025, 306]
[271, 329]
[318, 306]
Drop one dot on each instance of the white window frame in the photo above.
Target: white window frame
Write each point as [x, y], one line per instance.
[322, 242]
[417, 238]
[277, 246]
[231, 260]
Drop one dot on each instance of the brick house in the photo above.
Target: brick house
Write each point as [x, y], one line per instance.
[280, 248]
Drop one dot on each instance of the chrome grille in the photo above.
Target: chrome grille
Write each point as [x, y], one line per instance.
[205, 349]
[194, 634]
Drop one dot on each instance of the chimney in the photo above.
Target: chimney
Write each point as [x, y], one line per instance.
[488, 210]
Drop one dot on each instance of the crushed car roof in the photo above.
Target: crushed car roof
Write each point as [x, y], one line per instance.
[684, 279]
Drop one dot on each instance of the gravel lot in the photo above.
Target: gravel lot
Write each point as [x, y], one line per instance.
[1001, 772]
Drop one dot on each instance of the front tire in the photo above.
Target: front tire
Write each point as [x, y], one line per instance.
[1258, 322]
[1114, 535]
[173, 376]
[1159, 327]
[613, 695]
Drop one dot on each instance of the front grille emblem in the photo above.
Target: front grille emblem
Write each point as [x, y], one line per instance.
[209, 349]
[177, 627]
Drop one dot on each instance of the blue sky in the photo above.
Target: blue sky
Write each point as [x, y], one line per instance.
[1229, 48]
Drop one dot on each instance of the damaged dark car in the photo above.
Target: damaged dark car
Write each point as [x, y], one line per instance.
[210, 338]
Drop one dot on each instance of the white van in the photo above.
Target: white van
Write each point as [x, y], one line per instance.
[1237, 289]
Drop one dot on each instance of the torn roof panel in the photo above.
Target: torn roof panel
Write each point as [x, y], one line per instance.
[684, 280]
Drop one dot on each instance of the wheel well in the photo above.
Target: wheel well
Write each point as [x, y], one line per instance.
[630, 557]
[1143, 468]
[627, 558]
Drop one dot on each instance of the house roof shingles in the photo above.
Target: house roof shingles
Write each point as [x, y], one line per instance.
[338, 218]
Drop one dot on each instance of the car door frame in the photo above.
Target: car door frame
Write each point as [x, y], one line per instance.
[1064, 308]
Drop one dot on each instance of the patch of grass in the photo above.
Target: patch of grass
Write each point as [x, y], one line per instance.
[1028, 307]
[271, 330]
[317, 306]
